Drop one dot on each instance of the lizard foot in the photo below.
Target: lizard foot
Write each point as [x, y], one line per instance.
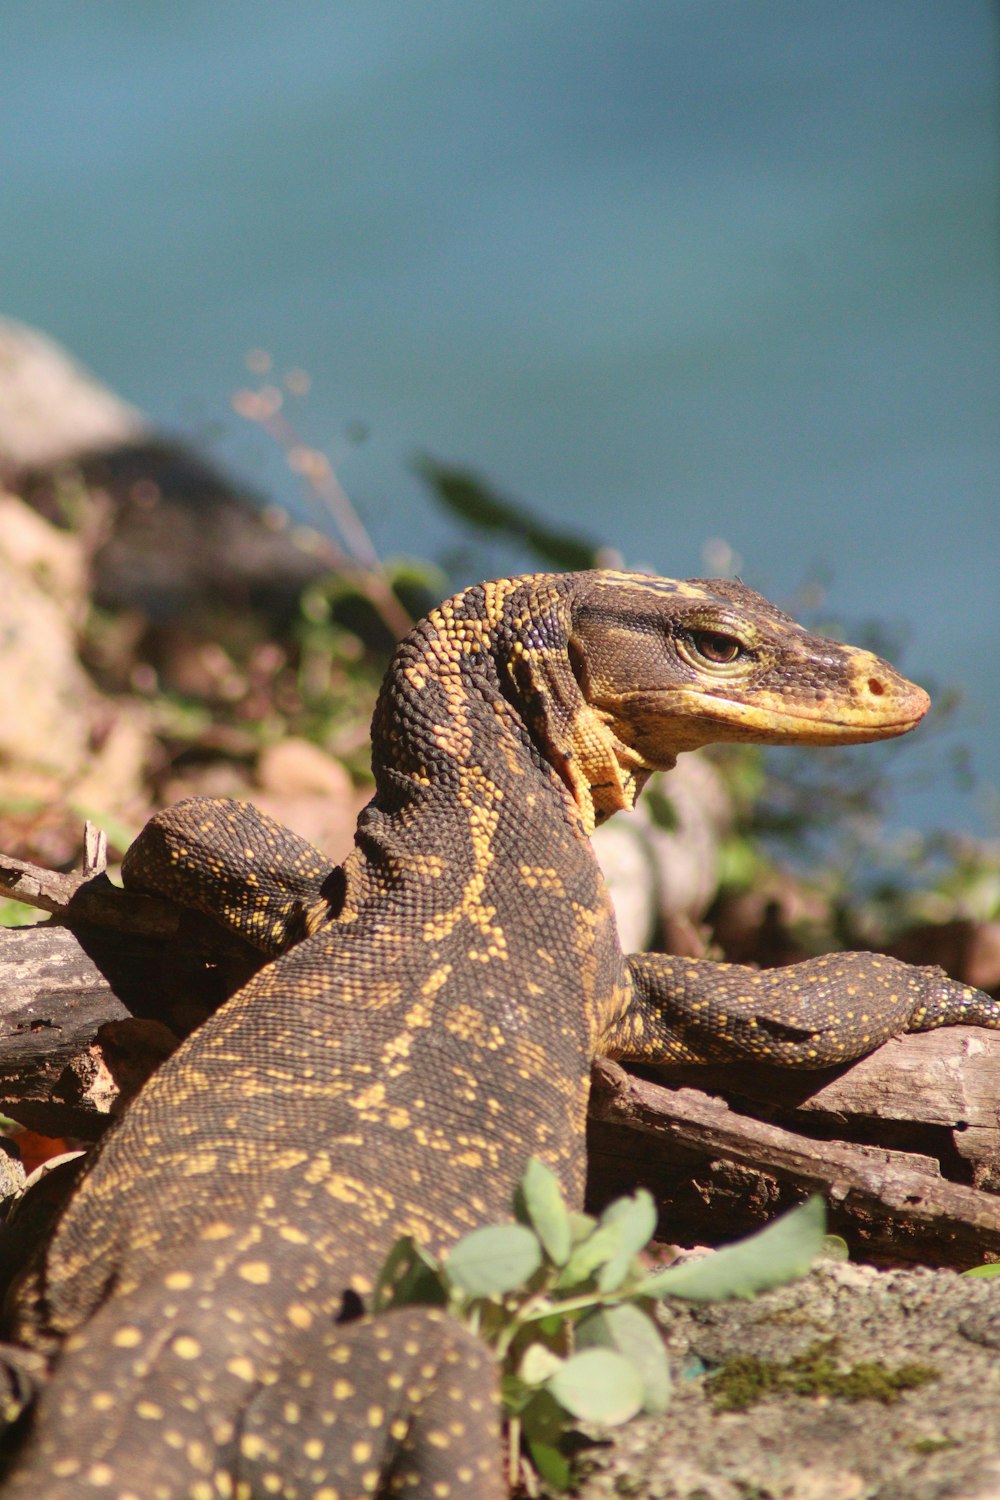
[405, 1403]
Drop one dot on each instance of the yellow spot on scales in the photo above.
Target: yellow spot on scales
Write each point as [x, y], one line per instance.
[369, 1098]
[257, 1272]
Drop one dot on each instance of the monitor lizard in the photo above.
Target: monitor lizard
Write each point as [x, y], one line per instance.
[427, 1024]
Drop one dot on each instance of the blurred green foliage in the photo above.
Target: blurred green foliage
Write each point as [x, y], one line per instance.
[475, 503]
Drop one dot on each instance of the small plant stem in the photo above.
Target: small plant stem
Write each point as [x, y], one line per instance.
[513, 1450]
[357, 559]
[535, 1309]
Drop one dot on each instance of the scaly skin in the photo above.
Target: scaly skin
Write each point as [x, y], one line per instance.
[391, 1072]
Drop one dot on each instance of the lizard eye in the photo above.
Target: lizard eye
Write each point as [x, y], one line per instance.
[715, 647]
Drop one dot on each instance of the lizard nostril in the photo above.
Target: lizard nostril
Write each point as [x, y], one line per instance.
[875, 687]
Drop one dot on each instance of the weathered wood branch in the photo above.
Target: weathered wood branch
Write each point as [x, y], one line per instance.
[89, 1007]
[699, 1155]
[941, 1089]
[86, 895]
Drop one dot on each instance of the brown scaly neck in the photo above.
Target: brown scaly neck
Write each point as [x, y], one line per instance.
[488, 680]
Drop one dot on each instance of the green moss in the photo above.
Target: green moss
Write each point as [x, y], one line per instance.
[743, 1381]
[933, 1445]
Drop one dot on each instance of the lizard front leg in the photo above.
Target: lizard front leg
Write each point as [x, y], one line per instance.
[238, 866]
[809, 1015]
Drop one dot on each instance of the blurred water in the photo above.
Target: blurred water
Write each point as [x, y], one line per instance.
[667, 270]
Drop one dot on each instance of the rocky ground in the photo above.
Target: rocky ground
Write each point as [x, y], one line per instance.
[878, 1442]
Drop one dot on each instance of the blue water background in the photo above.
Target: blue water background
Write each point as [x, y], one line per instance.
[666, 270]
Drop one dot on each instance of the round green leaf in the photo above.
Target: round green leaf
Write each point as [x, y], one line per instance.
[581, 1225]
[987, 1271]
[598, 1385]
[552, 1465]
[538, 1364]
[629, 1331]
[494, 1260]
[546, 1209]
[543, 1423]
[635, 1220]
[602, 1245]
[782, 1252]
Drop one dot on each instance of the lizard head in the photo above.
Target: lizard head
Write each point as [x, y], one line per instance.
[662, 666]
[669, 666]
[614, 674]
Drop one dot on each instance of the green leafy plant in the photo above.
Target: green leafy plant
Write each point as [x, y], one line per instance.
[565, 1303]
[988, 1272]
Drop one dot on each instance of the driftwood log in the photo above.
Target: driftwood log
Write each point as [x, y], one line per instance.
[712, 1163]
[905, 1144]
[94, 999]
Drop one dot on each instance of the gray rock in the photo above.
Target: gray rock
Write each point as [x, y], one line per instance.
[938, 1442]
[51, 409]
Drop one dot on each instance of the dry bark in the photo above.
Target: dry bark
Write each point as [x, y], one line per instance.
[93, 1000]
[707, 1162]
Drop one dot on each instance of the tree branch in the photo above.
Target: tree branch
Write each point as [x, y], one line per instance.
[706, 1162]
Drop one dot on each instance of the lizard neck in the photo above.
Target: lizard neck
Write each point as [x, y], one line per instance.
[487, 762]
[482, 699]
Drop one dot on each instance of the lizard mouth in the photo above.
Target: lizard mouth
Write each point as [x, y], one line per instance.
[782, 727]
[685, 718]
[873, 712]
